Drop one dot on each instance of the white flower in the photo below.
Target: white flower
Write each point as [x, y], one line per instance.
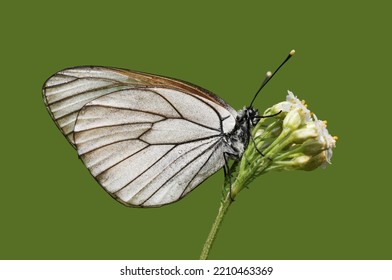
[298, 104]
[291, 103]
[328, 141]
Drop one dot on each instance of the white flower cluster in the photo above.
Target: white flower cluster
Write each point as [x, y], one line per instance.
[292, 138]
[302, 142]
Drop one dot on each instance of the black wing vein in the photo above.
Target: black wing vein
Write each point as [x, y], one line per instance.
[181, 169]
[74, 96]
[164, 169]
[174, 107]
[128, 109]
[197, 173]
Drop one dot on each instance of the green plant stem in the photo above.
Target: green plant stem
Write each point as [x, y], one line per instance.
[215, 227]
[247, 172]
[239, 184]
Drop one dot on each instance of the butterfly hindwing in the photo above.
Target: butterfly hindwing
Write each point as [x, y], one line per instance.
[149, 147]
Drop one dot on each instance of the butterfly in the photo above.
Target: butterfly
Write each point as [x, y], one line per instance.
[148, 140]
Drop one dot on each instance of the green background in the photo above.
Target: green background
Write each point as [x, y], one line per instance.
[51, 208]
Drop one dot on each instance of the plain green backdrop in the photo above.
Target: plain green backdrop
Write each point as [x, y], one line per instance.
[50, 206]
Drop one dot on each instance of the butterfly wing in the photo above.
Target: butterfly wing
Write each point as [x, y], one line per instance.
[151, 146]
[67, 91]
[148, 140]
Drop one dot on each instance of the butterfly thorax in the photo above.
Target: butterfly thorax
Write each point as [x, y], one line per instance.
[238, 138]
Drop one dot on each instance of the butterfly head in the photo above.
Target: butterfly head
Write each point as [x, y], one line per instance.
[248, 116]
[253, 116]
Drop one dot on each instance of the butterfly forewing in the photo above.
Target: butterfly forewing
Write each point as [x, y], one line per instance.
[148, 140]
[66, 92]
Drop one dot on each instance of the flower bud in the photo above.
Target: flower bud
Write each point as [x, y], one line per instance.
[315, 162]
[300, 162]
[312, 147]
[303, 134]
[293, 120]
[282, 107]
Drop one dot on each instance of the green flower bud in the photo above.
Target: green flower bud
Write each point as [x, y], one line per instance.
[312, 147]
[315, 162]
[303, 134]
[292, 120]
[300, 162]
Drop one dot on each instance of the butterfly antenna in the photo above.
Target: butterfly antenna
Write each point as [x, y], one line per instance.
[270, 75]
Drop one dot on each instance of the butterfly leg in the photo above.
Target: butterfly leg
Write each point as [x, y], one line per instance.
[253, 139]
[254, 143]
[227, 171]
[257, 149]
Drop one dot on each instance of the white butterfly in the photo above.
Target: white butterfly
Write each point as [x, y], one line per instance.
[148, 140]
